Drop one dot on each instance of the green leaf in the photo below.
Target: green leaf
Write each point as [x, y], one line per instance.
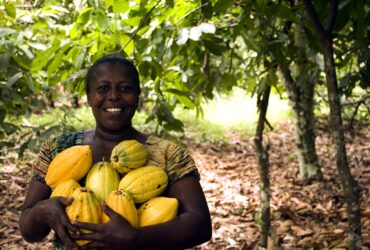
[26, 51]
[250, 42]
[228, 80]
[132, 21]
[23, 62]
[2, 115]
[262, 4]
[75, 31]
[94, 48]
[72, 54]
[102, 20]
[84, 16]
[157, 69]
[23, 148]
[207, 9]
[30, 83]
[222, 5]
[77, 75]
[120, 6]
[80, 58]
[57, 61]
[214, 45]
[127, 44]
[6, 31]
[108, 3]
[4, 61]
[183, 97]
[14, 78]
[285, 13]
[164, 114]
[40, 25]
[43, 57]
[365, 75]
[170, 3]
[175, 125]
[10, 9]
[9, 128]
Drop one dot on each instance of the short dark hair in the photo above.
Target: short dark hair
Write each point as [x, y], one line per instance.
[112, 59]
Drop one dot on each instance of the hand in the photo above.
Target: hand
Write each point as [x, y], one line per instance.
[117, 233]
[53, 213]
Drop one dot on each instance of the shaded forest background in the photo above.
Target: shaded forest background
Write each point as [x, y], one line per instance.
[316, 54]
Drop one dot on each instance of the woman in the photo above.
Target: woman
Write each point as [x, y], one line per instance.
[112, 88]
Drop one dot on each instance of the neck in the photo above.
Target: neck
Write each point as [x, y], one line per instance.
[108, 136]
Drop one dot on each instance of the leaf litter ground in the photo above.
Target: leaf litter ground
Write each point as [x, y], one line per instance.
[304, 216]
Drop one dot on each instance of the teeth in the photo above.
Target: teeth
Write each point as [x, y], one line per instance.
[113, 109]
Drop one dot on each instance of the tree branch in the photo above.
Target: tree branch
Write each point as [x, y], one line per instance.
[357, 106]
[357, 102]
[141, 24]
[333, 8]
[191, 11]
[322, 32]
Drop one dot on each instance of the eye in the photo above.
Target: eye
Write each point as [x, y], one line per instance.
[102, 89]
[125, 89]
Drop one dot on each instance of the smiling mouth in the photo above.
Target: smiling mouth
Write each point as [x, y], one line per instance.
[113, 110]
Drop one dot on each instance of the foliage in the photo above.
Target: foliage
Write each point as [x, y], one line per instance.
[185, 51]
[55, 42]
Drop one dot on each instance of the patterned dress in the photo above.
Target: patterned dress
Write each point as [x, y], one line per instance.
[162, 153]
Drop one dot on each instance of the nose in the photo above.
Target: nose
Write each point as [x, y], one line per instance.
[113, 95]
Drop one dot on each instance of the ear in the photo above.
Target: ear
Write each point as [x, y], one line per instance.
[88, 99]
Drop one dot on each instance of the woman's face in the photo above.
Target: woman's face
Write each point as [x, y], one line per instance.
[113, 97]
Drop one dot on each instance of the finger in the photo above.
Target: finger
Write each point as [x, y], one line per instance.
[87, 226]
[68, 201]
[71, 227]
[108, 211]
[88, 236]
[64, 200]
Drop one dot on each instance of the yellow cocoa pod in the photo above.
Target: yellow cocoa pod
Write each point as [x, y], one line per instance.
[84, 208]
[123, 204]
[72, 163]
[144, 183]
[102, 179]
[65, 188]
[128, 155]
[157, 210]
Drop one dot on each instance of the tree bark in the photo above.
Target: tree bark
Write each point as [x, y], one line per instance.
[300, 93]
[348, 183]
[263, 163]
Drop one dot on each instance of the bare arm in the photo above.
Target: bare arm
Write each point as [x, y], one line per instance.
[32, 229]
[191, 227]
[41, 214]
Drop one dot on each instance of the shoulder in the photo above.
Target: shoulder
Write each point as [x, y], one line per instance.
[70, 138]
[52, 147]
[173, 157]
[166, 149]
[156, 142]
[63, 141]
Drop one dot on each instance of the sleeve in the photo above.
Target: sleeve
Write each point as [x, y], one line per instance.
[179, 163]
[50, 149]
[44, 157]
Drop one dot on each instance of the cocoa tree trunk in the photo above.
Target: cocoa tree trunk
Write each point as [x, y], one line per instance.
[348, 183]
[263, 164]
[300, 93]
